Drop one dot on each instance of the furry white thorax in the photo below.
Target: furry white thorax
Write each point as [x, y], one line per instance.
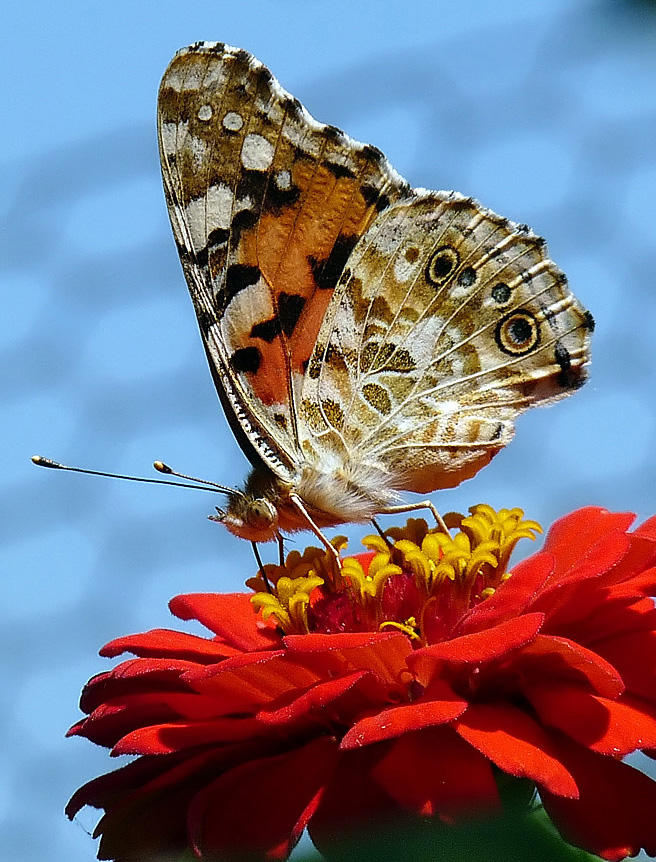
[345, 490]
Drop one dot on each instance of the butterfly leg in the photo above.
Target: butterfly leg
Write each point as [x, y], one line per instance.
[298, 503]
[281, 550]
[381, 533]
[258, 559]
[415, 507]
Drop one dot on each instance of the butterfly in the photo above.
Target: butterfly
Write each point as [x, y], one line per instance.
[365, 338]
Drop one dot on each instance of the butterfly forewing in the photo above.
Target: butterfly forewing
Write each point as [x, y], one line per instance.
[266, 205]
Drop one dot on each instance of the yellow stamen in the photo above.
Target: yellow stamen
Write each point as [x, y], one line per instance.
[468, 565]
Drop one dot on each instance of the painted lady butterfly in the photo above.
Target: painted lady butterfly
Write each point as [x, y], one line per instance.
[365, 338]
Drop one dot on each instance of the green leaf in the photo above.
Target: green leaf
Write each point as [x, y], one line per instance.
[525, 838]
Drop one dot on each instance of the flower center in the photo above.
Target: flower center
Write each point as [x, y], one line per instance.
[420, 581]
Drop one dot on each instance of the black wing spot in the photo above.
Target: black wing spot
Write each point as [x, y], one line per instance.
[467, 277]
[443, 262]
[372, 197]
[290, 306]
[518, 333]
[243, 220]
[267, 330]
[278, 199]
[218, 236]
[589, 321]
[326, 272]
[263, 77]
[252, 184]
[205, 321]
[340, 171]
[238, 277]
[382, 203]
[293, 108]
[246, 359]
[333, 133]
[565, 378]
[501, 293]
[242, 56]
[373, 153]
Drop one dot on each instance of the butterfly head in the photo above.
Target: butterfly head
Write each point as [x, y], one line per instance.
[252, 514]
[252, 518]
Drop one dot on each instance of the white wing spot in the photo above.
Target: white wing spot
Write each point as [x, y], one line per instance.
[171, 134]
[283, 180]
[256, 153]
[233, 121]
[205, 113]
[211, 211]
[198, 149]
[403, 269]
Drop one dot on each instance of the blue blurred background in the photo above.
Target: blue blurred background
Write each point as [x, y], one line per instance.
[544, 111]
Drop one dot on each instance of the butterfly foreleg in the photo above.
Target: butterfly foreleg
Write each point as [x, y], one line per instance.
[300, 507]
[415, 507]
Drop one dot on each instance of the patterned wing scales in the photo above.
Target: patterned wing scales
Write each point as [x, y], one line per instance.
[448, 323]
[266, 206]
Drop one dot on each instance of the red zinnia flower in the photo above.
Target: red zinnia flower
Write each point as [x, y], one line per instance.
[407, 682]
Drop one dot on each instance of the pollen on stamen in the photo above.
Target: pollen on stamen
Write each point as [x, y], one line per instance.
[421, 583]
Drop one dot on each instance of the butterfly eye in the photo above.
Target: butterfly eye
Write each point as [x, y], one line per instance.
[442, 264]
[261, 514]
[518, 333]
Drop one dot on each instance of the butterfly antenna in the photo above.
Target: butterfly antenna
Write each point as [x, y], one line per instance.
[40, 461]
[161, 467]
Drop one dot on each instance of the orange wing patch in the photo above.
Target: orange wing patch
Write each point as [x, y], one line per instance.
[300, 252]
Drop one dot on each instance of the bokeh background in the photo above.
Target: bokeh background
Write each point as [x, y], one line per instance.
[544, 111]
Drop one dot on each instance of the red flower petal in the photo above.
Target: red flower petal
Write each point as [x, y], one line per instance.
[434, 772]
[230, 616]
[593, 562]
[444, 706]
[331, 694]
[383, 653]
[145, 805]
[259, 809]
[167, 738]
[512, 597]
[353, 801]
[476, 648]
[647, 530]
[134, 677]
[570, 536]
[614, 727]
[118, 717]
[251, 680]
[517, 744]
[614, 814]
[160, 643]
[634, 655]
[549, 657]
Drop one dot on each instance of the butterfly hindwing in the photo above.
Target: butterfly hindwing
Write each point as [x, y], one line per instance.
[448, 322]
[266, 206]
